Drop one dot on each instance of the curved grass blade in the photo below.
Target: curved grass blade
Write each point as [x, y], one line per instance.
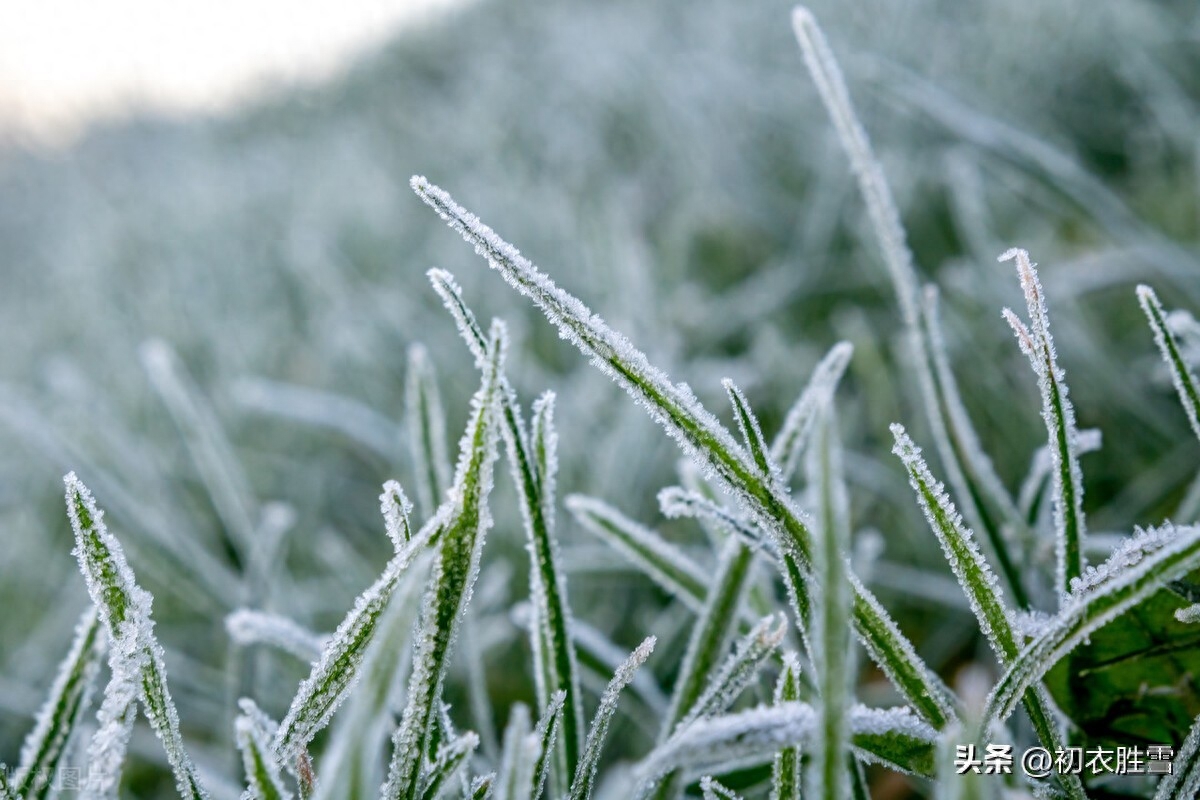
[785, 772]
[455, 569]
[585, 776]
[894, 737]
[1059, 415]
[58, 720]
[675, 502]
[134, 653]
[789, 444]
[661, 561]
[247, 626]
[6, 792]
[395, 507]
[601, 658]
[534, 463]
[334, 675]
[981, 587]
[1181, 373]
[701, 436]
[546, 732]
[1151, 560]
[740, 669]
[1184, 781]
[426, 429]
[254, 736]
[712, 789]
[830, 622]
[748, 425]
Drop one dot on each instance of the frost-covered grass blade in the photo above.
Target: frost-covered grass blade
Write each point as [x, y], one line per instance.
[785, 772]
[263, 775]
[713, 789]
[426, 429]
[455, 568]
[246, 626]
[789, 444]
[449, 760]
[700, 435]
[1059, 415]
[739, 669]
[59, 718]
[1181, 372]
[1184, 781]
[135, 657]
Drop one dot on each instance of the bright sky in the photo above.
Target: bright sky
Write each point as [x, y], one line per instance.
[64, 62]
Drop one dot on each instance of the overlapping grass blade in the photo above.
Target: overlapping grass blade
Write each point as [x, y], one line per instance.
[534, 463]
[1181, 372]
[676, 502]
[895, 737]
[739, 669]
[455, 568]
[662, 562]
[585, 775]
[785, 772]
[1059, 415]
[426, 429]
[600, 658]
[830, 624]
[6, 792]
[701, 436]
[481, 787]
[109, 744]
[547, 733]
[1184, 781]
[58, 720]
[135, 657]
[1142, 567]
[254, 734]
[334, 675]
[449, 759]
[980, 585]
[246, 626]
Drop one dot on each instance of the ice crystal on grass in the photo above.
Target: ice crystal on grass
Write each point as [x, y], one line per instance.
[712, 789]
[739, 669]
[396, 507]
[246, 626]
[426, 429]
[789, 444]
[254, 733]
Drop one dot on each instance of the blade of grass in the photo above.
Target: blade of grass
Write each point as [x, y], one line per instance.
[455, 568]
[124, 608]
[449, 760]
[426, 429]
[701, 436]
[1181, 373]
[789, 444]
[258, 757]
[58, 720]
[785, 772]
[1183, 782]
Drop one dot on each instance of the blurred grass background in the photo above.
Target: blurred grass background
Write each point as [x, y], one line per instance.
[671, 164]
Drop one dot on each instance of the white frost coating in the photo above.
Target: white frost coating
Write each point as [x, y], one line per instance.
[662, 562]
[789, 444]
[446, 763]
[337, 672]
[675, 502]
[135, 657]
[516, 732]
[1088, 440]
[108, 745]
[1189, 615]
[396, 507]
[253, 730]
[1183, 783]
[881, 208]
[1037, 343]
[740, 669]
[1033, 623]
[1148, 561]
[247, 626]
[715, 790]
[1181, 373]
[468, 327]
[592, 641]
[544, 438]
[585, 774]
[751, 431]
[763, 730]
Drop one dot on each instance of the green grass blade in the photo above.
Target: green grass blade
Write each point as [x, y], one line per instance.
[790, 443]
[661, 561]
[785, 772]
[395, 507]
[1184, 781]
[426, 429]
[740, 669]
[135, 655]
[600, 658]
[114, 725]
[481, 787]
[334, 675]
[831, 625]
[1181, 373]
[700, 435]
[1037, 343]
[534, 464]
[1137, 570]
[751, 431]
[258, 757]
[454, 572]
[6, 792]
[449, 760]
[979, 584]
[547, 733]
[585, 776]
[58, 720]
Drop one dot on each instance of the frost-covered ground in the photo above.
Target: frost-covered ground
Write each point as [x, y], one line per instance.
[263, 275]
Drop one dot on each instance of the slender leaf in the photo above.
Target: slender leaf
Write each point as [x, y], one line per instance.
[789, 444]
[481, 787]
[246, 626]
[449, 759]
[700, 435]
[739, 669]
[785, 772]
[258, 757]
[426, 429]
[58, 720]
[1181, 372]
[1184, 781]
[712, 789]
